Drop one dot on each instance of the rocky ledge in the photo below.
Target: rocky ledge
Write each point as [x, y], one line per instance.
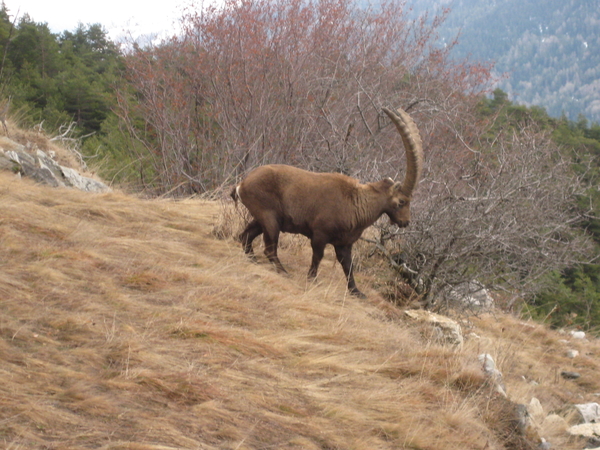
[42, 168]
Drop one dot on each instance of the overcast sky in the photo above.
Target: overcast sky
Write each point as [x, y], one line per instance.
[117, 16]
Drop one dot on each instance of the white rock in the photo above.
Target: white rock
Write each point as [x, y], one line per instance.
[536, 411]
[553, 423]
[472, 295]
[590, 412]
[572, 353]
[578, 334]
[489, 365]
[585, 429]
[489, 368]
[445, 329]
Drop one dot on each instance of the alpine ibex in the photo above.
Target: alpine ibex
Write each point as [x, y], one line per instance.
[328, 208]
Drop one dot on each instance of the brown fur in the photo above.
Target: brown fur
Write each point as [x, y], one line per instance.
[328, 208]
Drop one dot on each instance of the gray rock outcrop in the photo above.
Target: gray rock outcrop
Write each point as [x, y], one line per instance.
[42, 168]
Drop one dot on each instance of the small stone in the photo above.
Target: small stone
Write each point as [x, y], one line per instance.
[544, 445]
[489, 366]
[572, 353]
[569, 375]
[585, 429]
[535, 410]
[593, 443]
[590, 412]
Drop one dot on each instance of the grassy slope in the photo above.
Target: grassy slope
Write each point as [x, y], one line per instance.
[125, 324]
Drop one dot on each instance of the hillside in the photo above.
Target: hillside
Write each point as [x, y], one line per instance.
[125, 324]
[548, 51]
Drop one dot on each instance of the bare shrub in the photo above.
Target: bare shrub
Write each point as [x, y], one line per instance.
[293, 82]
[502, 215]
[231, 220]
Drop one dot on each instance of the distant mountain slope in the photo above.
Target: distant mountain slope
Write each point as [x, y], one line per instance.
[550, 51]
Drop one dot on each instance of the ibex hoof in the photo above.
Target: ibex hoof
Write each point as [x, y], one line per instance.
[355, 292]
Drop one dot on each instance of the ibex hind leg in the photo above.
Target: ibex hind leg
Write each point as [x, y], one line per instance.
[271, 232]
[251, 232]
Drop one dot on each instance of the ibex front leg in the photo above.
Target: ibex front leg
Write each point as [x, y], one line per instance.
[344, 256]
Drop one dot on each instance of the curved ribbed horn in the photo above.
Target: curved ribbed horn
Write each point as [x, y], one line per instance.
[412, 145]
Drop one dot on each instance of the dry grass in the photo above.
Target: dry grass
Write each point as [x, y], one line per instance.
[125, 324]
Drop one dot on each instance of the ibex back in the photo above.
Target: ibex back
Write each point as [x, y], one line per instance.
[328, 208]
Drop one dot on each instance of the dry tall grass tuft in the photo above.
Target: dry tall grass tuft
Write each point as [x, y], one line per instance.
[125, 324]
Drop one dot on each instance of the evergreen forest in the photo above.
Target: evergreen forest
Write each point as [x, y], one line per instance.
[510, 192]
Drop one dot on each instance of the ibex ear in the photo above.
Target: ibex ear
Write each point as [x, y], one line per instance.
[384, 185]
[388, 185]
[397, 188]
